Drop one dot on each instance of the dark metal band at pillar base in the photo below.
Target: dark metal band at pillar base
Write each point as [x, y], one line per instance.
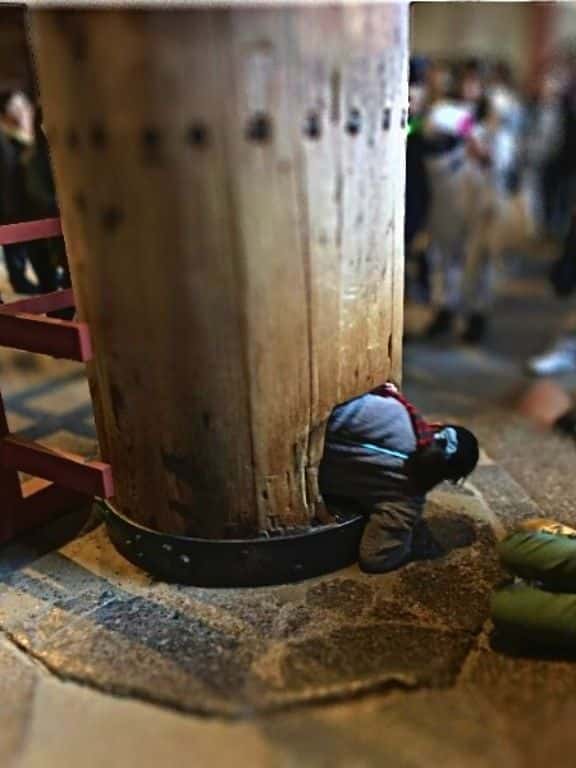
[238, 562]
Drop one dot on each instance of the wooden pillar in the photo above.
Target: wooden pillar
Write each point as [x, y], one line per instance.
[231, 184]
[541, 43]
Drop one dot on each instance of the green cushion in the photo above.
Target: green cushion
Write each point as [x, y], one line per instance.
[543, 557]
[533, 615]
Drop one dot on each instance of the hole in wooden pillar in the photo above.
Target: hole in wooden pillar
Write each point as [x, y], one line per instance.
[151, 141]
[98, 136]
[151, 137]
[112, 217]
[259, 129]
[197, 135]
[386, 118]
[312, 127]
[354, 123]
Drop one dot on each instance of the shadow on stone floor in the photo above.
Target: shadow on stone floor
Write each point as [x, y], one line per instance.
[529, 649]
[89, 616]
[31, 546]
[436, 538]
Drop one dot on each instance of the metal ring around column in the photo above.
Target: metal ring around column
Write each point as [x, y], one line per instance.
[235, 563]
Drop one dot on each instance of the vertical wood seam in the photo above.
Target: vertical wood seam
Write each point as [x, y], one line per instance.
[239, 269]
[304, 218]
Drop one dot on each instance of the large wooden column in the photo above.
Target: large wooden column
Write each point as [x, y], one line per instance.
[231, 184]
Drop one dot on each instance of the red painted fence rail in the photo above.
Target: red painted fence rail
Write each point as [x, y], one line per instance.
[61, 480]
[91, 478]
[26, 231]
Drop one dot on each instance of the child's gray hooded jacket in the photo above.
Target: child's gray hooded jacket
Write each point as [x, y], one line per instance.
[367, 442]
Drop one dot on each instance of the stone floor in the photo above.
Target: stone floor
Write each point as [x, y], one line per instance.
[102, 666]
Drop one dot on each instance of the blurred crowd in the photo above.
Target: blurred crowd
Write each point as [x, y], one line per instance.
[27, 192]
[489, 166]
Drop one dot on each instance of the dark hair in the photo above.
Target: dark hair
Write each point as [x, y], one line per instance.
[503, 72]
[473, 67]
[417, 70]
[430, 466]
[482, 109]
[5, 96]
[464, 461]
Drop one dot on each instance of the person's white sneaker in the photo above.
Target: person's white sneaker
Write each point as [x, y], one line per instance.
[560, 359]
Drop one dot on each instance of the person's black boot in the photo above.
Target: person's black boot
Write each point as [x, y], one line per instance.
[441, 325]
[476, 328]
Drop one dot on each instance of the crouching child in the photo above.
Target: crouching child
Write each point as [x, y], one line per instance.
[381, 458]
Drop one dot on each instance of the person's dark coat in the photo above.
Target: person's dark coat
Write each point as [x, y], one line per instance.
[417, 188]
[13, 202]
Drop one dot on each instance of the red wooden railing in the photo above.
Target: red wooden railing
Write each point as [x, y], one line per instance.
[61, 480]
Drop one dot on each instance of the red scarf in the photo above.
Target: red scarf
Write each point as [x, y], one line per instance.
[423, 430]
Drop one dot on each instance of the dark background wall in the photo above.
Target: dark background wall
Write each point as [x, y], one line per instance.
[15, 60]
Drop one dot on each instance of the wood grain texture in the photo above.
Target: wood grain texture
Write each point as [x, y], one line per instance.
[231, 205]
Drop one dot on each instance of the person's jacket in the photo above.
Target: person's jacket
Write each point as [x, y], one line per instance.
[417, 187]
[367, 443]
[40, 189]
[13, 199]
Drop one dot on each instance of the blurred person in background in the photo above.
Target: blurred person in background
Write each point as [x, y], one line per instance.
[564, 159]
[508, 116]
[16, 136]
[549, 406]
[439, 81]
[561, 356]
[417, 187]
[542, 133]
[511, 223]
[48, 257]
[458, 162]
